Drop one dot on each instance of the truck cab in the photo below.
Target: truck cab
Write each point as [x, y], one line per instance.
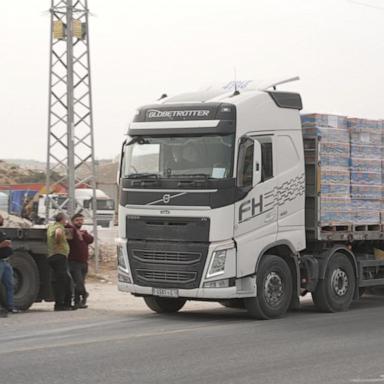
[105, 210]
[210, 184]
[105, 206]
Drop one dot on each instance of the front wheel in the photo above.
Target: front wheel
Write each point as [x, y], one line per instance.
[335, 292]
[164, 304]
[274, 289]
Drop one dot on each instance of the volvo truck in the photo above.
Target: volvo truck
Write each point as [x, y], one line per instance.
[217, 203]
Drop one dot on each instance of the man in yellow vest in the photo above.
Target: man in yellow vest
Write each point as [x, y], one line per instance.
[58, 250]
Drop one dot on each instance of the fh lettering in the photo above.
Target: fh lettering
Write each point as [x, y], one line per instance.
[251, 208]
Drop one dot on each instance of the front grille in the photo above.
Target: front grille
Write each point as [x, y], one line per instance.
[165, 257]
[164, 264]
[166, 276]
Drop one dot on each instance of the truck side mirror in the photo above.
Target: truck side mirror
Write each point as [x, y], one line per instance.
[256, 163]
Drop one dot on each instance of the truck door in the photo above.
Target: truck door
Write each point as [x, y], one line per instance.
[291, 189]
[256, 211]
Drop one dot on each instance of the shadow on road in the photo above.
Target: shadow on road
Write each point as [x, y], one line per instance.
[226, 314]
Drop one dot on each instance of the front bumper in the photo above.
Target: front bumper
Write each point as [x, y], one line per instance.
[245, 287]
[240, 287]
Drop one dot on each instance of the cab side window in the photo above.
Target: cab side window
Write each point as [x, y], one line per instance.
[246, 161]
[266, 157]
[245, 170]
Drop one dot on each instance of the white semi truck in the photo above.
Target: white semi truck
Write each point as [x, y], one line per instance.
[214, 206]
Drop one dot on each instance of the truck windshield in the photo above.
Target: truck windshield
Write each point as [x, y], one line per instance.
[209, 156]
[59, 201]
[105, 204]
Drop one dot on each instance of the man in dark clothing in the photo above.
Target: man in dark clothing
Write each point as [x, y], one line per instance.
[6, 272]
[78, 258]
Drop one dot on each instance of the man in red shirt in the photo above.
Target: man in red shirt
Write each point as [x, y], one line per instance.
[78, 258]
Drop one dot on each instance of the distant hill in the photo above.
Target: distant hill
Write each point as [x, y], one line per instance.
[20, 171]
[11, 173]
[28, 164]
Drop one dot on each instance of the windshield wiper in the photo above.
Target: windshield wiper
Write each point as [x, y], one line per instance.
[203, 175]
[143, 176]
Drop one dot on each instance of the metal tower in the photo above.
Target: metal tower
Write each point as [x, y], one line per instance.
[70, 120]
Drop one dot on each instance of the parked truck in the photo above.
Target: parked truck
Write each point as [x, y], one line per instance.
[105, 206]
[220, 200]
[105, 210]
[32, 276]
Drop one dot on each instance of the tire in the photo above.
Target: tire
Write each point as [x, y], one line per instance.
[233, 303]
[27, 280]
[335, 292]
[274, 289]
[164, 304]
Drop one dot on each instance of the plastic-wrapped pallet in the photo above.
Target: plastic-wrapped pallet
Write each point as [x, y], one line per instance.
[366, 174]
[334, 153]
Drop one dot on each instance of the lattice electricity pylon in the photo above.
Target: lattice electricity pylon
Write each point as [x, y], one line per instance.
[70, 127]
[70, 121]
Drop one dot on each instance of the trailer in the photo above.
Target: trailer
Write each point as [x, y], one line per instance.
[225, 195]
[31, 270]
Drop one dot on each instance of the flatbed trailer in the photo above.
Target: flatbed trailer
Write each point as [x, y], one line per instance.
[361, 243]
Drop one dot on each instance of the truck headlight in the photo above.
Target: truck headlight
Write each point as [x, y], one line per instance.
[217, 265]
[120, 256]
[123, 277]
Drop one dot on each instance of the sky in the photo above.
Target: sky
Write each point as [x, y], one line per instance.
[141, 49]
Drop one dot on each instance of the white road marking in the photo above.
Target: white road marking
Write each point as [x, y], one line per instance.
[104, 339]
[378, 380]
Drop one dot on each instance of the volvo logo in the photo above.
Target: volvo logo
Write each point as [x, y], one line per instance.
[166, 198]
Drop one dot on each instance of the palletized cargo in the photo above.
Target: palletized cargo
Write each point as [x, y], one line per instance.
[344, 171]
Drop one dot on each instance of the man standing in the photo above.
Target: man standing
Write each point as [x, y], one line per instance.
[78, 258]
[58, 250]
[6, 272]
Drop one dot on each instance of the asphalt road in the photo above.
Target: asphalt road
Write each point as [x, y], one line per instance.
[206, 344]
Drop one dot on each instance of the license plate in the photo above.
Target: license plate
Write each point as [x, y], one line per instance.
[165, 292]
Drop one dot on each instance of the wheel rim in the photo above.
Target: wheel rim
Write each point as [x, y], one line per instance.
[273, 289]
[339, 282]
